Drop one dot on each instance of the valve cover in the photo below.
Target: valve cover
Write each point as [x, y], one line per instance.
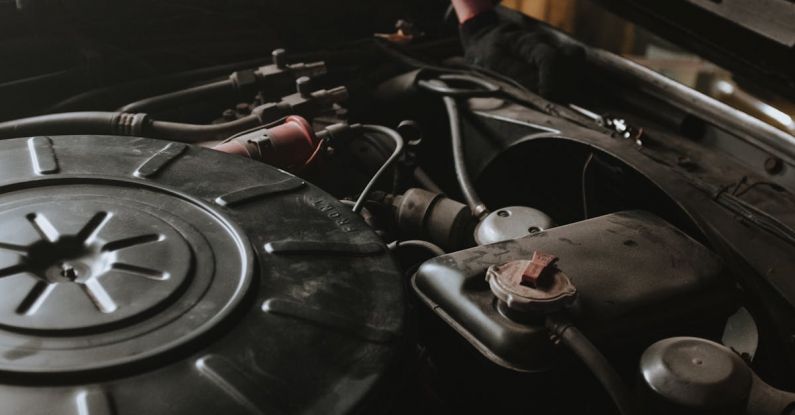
[145, 277]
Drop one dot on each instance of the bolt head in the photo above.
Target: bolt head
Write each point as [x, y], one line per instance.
[774, 165]
[279, 58]
[304, 85]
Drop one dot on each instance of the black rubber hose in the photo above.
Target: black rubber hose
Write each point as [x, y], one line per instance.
[399, 144]
[191, 133]
[113, 96]
[118, 123]
[177, 98]
[476, 205]
[65, 123]
[596, 362]
[426, 181]
[416, 243]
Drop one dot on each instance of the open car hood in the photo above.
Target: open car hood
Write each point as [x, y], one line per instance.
[753, 38]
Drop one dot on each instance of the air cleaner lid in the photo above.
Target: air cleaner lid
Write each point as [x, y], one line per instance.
[204, 282]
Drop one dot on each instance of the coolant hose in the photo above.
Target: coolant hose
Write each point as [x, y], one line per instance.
[476, 205]
[597, 363]
[120, 123]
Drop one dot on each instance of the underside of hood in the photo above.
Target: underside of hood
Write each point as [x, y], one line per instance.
[755, 39]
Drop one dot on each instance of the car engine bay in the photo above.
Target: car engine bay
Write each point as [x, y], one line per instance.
[382, 227]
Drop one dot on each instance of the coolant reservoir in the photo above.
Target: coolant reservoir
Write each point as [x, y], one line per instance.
[635, 275]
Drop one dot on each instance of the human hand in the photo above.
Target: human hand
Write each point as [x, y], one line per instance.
[529, 55]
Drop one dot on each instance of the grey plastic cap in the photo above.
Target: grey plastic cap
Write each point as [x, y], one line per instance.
[696, 373]
[511, 223]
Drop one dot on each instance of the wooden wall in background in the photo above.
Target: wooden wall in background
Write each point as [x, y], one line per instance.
[583, 19]
[591, 24]
[560, 13]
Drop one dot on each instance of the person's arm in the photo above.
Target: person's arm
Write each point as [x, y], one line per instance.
[467, 9]
[497, 39]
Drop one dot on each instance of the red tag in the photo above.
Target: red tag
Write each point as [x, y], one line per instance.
[538, 264]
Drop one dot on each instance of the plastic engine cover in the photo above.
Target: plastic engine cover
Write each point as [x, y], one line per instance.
[637, 277]
[145, 277]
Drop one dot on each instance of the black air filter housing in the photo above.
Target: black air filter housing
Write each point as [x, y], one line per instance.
[145, 277]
